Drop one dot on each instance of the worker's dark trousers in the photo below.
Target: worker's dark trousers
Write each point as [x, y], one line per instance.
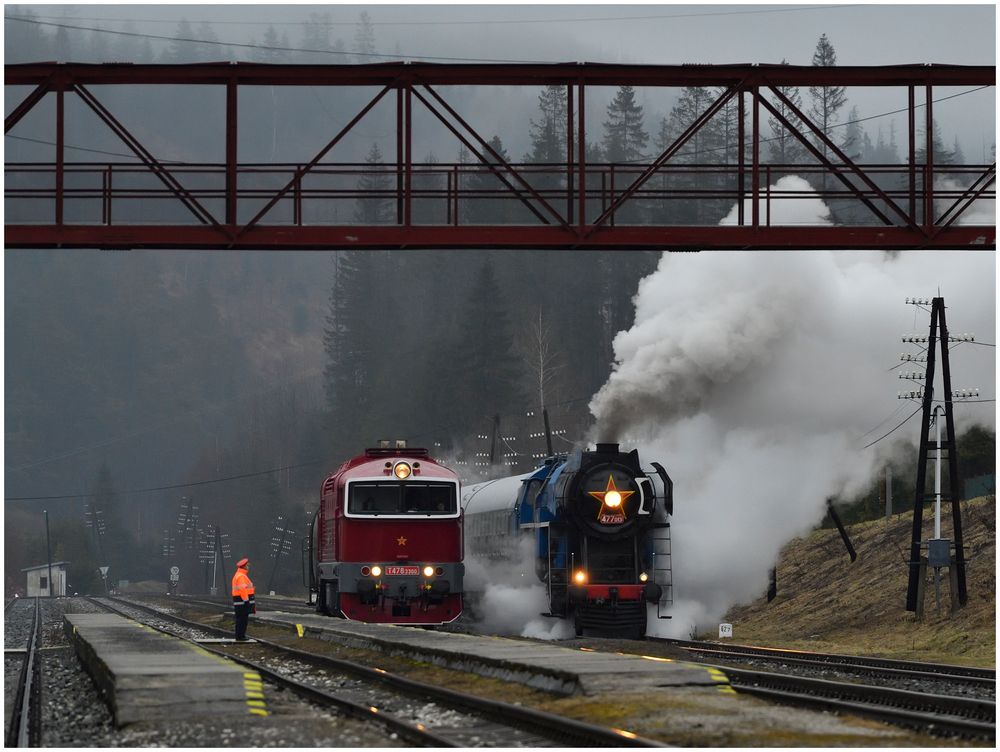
[242, 611]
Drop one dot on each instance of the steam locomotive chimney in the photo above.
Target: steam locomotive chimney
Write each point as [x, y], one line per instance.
[607, 449]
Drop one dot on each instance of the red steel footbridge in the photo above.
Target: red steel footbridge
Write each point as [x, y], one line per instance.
[148, 192]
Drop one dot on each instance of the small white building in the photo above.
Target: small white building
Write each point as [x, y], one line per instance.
[38, 580]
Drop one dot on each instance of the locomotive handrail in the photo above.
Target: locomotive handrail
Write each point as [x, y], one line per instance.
[668, 488]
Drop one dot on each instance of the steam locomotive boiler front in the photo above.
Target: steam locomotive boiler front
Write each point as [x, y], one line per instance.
[603, 545]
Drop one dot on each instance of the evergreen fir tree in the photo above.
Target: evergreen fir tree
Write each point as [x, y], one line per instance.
[205, 50]
[548, 138]
[942, 155]
[269, 51]
[548, 133]
[783, 146]
[488, 372]
[703, 147]
[349, 340]
[375, 206]
[625, 142]
[128, 49]
[493, 203]
[624, 137]
[97, 47]
[826, 101]
[957, 157]
[854, 135]
[364, 39]
[316, 35]
[178, 50]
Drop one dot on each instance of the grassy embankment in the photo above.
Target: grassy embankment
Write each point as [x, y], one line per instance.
[828, 604]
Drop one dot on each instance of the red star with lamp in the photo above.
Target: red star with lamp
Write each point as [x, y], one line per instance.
[612, 503]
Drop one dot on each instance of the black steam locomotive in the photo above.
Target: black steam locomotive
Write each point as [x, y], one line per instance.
[600, 527]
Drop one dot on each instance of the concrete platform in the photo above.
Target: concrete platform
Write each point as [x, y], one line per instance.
[146, 675]
[543, 666]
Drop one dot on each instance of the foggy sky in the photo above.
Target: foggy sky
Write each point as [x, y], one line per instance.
[656, 34]
[663, 34]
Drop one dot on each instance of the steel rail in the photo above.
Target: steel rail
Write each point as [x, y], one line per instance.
[409, 732]
[943, 670]
[937, 714]
[854, 668]
[567, 731]
[25, 721]
[293, 607]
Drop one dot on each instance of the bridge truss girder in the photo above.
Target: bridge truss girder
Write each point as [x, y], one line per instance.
[561, 217]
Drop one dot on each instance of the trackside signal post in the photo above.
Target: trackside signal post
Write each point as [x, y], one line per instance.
[939, 553]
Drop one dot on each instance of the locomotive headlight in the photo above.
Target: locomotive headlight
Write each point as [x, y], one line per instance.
[612, 499]
[428, 571]
[643, 577]
[580, 577]
[402, 470]
[376, 571]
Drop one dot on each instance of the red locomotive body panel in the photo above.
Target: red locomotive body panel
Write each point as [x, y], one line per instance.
[387, 540]
[399, 540]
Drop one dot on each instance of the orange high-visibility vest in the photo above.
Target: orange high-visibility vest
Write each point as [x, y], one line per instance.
[242, 587]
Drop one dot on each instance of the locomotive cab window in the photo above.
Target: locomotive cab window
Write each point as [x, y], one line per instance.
[402, 499]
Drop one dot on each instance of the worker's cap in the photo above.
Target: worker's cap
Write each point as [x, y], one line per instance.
[242, 562]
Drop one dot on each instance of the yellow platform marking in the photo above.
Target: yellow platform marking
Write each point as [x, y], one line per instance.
[253, 687]
[300, 629]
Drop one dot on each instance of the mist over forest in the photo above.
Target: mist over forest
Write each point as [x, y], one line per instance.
[143, 384]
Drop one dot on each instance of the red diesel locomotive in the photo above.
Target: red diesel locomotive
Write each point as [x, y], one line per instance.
[386, 542]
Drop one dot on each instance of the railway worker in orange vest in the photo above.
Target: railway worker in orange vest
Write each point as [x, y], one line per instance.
[243, 599]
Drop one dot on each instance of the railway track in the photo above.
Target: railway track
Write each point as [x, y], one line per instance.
[452, 719]
[279, 604]
[24, 729]
[927, 708]
[860, 665]
[937, 714]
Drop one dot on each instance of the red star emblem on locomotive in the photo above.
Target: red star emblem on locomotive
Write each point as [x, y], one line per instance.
[612, 503]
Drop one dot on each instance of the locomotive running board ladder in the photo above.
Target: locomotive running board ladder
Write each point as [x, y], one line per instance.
[663, 575]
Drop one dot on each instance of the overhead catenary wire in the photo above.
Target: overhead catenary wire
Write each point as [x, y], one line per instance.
[171, 487]
[269, 48]
[192, 484]
[900, 425]
[313, 21]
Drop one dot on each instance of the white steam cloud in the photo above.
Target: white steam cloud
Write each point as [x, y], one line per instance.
[755, 377]
[512, 598]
